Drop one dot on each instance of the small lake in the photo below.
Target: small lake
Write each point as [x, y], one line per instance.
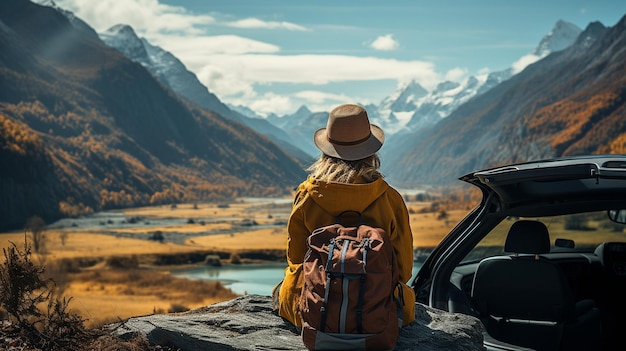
[246, 278]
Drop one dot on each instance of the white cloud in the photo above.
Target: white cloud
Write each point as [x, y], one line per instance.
[272, 103]
[385, 43]
[457, 74]
[252, 23]
[321, 101]
[192, 49]
[321, 97]
[316, 101]
[235, 68]
[323, 69]
[151, 17]
[244, 70]
[483, 71]
[145, 16]
[523, 62]
[483, 74]
[224, 83]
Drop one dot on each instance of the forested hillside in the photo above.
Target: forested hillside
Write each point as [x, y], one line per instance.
[84, 129]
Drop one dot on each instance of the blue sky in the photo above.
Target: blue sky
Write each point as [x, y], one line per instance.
[274, 56]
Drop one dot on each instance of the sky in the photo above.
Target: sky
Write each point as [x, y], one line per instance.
[275, 56]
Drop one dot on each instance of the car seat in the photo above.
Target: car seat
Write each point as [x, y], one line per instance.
[525, 299]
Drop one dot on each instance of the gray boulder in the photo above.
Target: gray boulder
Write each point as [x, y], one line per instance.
[249, 323]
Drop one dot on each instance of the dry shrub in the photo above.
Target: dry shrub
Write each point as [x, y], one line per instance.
[60, 329]
[23, 289]
[111, 343]
[21, 285]
[123, 261]
[36, 229]
[262, 255]
[176, 308]
[235, 258]
[128, 291]
[69, 265]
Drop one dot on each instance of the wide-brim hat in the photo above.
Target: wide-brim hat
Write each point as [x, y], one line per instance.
[348, 134]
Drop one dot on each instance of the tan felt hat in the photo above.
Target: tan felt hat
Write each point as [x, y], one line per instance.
[348, 134]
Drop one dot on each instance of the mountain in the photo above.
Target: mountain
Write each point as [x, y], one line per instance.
[570, 102]
[172, 73]
[292, 121]
[84, 128]
[559, 38]
[400, 106]
[449, 96]
[300, 126]
[164, 66]
[412, 107]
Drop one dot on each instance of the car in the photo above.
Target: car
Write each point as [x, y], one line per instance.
[541, 260]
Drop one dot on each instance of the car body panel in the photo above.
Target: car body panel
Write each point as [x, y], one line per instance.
[545, 189]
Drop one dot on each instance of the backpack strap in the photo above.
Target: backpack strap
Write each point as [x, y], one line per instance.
[359, 309]
[400, 304]
[331, 249]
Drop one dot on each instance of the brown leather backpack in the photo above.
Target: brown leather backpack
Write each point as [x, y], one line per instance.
[347, 302]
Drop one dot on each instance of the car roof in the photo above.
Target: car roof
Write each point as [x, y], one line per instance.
[555, 186]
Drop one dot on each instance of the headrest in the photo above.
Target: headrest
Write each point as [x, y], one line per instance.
[528, 237]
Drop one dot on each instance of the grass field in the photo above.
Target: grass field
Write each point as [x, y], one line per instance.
[104, 292]
[108, 266]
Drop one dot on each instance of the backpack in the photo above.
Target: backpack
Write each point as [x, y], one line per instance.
[349, 278]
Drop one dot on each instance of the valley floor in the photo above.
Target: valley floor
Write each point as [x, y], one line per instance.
[113, 268]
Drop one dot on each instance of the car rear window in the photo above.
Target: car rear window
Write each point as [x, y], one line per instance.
[581, 232]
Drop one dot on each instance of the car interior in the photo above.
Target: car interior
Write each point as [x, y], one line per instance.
[550, 283]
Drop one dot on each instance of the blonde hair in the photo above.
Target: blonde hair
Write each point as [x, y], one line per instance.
[331, 169]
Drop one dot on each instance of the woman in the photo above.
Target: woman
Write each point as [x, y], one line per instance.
[345, 177]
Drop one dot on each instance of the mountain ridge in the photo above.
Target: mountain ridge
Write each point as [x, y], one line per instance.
[172, 73]
[98, 131]
[411, 107]
[558, 106]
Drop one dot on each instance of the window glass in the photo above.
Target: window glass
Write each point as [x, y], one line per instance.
[581, 232]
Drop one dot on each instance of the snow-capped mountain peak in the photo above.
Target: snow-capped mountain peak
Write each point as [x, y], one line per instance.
[559, 38]
[123, 38]
[404, 98]
[396, 110]
[412, 107]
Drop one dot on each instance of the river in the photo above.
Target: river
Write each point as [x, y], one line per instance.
[245, 278]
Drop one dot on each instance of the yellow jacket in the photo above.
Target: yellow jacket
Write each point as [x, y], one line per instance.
[318, 204]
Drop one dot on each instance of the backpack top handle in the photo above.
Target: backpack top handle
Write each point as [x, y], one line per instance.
[351, 217]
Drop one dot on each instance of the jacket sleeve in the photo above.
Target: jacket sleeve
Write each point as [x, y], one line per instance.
[297, 236]
[402, 238]
[289, 294]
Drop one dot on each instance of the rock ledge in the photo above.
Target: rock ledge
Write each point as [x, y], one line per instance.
[249, 323]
